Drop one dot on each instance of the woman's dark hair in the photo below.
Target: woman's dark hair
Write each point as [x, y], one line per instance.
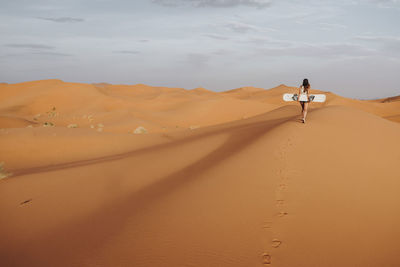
[306, 84]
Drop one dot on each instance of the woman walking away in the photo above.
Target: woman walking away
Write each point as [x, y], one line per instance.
[304, 98]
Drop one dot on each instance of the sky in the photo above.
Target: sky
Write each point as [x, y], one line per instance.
[349, 47]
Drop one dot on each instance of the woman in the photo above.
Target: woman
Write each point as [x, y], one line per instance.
[304, 98]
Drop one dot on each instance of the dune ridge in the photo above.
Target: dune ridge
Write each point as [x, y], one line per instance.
[221, 179]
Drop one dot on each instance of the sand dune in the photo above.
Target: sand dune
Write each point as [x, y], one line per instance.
[387, 99]
[220, 179]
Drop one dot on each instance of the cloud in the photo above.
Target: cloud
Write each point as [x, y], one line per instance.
[222, 52]
[132, 52]
[384, 1]
[52, 54]
[330, 50]
[331, 26]
[381, 39]
[241, 27]
[37, 49]
[40, 53]
[62, 19]
[215, 3]
[29, 45]
[377, 3]
[216, 36]
[388, 43]
[261, 40]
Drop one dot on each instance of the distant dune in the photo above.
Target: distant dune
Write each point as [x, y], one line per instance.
[134, 175]
[389, 99]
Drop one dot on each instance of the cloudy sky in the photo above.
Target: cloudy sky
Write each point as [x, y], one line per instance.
[350, 47]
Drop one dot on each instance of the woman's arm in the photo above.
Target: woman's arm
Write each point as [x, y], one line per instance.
[298, 94]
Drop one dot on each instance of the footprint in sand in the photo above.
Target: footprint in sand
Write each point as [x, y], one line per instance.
[282, 186]
[282, 213]
[25, 202]
[280, 202]
[267, 225]
[276, 243]
[283, 174]
[266, 259]
[279, 194]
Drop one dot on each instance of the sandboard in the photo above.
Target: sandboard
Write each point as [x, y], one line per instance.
[313, 98]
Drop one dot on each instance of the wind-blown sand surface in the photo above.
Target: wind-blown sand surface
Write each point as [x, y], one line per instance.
[219, 179]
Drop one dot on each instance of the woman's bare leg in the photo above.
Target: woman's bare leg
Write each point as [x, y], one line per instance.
[305, 110]
[302, 109]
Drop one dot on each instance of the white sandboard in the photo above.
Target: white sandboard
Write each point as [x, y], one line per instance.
[313, 98]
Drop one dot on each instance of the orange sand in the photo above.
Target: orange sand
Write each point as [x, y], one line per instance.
[219, 179]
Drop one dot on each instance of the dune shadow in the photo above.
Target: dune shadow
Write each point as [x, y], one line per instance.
[171, 142]
[96, 229]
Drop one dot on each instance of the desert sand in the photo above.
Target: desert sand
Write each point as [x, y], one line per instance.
[134, 175]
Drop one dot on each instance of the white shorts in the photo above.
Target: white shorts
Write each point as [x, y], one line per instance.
[303, 97]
